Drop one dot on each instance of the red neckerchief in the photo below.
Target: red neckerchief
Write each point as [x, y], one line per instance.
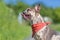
[37, 27]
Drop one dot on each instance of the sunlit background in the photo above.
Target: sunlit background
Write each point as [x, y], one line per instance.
[10, 27]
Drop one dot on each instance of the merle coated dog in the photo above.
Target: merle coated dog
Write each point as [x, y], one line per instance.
[40, 29]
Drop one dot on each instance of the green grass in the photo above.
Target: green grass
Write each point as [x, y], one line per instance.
[55, 27]
[10, 29]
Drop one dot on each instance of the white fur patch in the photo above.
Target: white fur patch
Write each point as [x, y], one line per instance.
[55, 37]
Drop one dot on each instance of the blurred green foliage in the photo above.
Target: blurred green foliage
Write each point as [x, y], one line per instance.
[53, 13]
[19, 7]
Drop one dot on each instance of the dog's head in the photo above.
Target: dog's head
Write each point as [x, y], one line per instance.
[30, 12]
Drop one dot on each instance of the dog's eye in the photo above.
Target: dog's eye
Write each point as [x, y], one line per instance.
[28, 9]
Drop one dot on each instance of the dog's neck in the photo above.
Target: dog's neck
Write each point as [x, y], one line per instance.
[36, 18]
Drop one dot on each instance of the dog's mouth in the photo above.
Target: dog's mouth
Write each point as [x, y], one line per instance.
[26, 16]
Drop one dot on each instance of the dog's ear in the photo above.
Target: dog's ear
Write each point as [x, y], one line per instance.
[37, 8]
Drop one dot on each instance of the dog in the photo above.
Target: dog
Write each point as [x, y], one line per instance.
[40, 29]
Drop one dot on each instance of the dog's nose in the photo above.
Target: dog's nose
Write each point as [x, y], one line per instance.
[23, 12]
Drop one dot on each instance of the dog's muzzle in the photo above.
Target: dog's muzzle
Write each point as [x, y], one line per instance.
[25, 16]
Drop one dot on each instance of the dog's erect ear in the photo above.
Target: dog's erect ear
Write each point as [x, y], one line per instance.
[37, 8]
